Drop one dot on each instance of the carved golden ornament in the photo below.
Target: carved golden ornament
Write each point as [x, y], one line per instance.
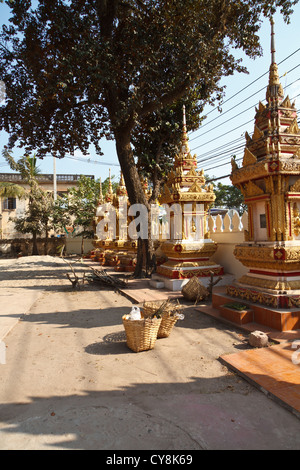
[186, 274]
[251, 189]
[254, 253]
[179, 251]
[266, 258]
[193, 226]
[293, 128]
[247, 173]
[296, 220]
[269, 182]
[202, 272]
[287, 113]
[286, 103]
[195, 188]
[175, 264]
[253, 296]
[296, 154]
[294, 302]
[295, 188]
[270, 284]
[274, 83]
[289, 140]
[273, 75]
[193, 172]
[258, 134]
[234, 166]
[261, 107]
[249, 158]
[291, 166]
[247, 137]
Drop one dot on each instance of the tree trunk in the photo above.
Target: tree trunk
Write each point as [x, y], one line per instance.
[34, 244]
[136, 195]
[46, 242]
[156, 178]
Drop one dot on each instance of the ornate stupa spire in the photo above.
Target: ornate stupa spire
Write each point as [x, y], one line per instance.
[121, 190]
[109, 195]
[185, 144]
[189, 247]
[184, 159]
[101, 198]
[109, 183]
[269, 180]
[274, 90]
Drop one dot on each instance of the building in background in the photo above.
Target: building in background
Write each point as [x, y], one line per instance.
[14, 207]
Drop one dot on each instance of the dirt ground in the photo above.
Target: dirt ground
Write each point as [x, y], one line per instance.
[69, 380]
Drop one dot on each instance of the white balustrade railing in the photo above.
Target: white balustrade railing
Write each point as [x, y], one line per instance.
[231, 222]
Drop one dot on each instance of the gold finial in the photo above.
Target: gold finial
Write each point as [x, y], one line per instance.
[272, 41]
[109, 183]
[185, 145]
[121, 191]
[274, 89]
[109, 194]
[122, 182]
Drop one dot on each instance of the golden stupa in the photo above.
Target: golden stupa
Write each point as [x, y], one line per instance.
[187, 198]
[269, 180]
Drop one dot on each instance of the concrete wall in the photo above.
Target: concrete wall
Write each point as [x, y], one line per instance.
[73, 245]
[23, 246]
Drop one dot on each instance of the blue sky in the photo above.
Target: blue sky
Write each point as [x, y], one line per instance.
[221, 134]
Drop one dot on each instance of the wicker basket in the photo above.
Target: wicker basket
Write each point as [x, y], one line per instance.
[169, 317]
[141, 335]
[194, 290]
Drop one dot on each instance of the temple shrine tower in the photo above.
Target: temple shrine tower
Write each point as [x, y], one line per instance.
[187, 198]
[269, 180]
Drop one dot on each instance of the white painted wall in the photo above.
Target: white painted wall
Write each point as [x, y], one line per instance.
[228, 233]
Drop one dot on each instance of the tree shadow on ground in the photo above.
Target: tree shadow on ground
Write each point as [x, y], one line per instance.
[203, 413]
[81, 318]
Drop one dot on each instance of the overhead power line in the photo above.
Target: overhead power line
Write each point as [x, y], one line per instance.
[241, 102]
[210, 154]
[88, 160]
[204, 167]
[254, 81]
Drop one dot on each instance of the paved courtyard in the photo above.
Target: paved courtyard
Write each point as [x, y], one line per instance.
[69, 380]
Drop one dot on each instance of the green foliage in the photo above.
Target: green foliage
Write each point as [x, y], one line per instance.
[79, 70]
[236, 306]
[26, 166]
[11, 190]
[157, 137]
[229, 196]
[78, 206]
[37, 218]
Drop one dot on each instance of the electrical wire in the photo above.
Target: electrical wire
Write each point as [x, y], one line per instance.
[251, 107]
[254, 81]
[228, 162]
[210, 155]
